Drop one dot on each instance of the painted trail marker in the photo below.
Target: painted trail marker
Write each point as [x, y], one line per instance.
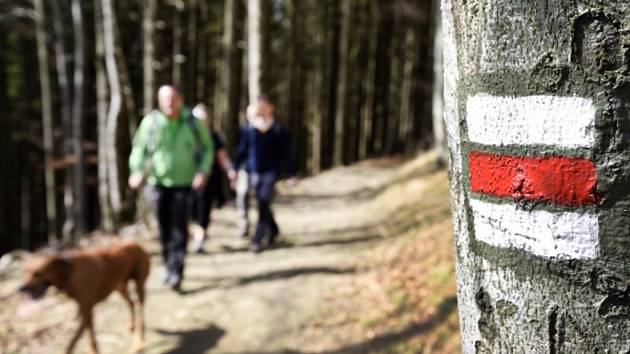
[499, 180]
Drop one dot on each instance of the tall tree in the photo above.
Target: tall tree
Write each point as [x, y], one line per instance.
[80, 205]
[65, 96]
[228, 95]
[178, 57]
[344, 48]
[115, 178]
[47, 123]
[107, 220]
[439, 132]
[254, 48]
[536, 107]
[148, 55]
[367, 111]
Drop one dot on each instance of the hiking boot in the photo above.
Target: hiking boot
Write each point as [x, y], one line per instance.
[256, 248]
[197, 246]
[175, 282]
[245, 231]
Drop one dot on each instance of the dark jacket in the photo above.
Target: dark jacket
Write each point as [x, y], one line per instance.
[265, 152]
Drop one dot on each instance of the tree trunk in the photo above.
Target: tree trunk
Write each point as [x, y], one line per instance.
[113, 114]
[536, 107]
[148, 55]
[66, 114]
[367, 113]
[439, 132]
[178, 56]
[80, 205]
[203, 41]
[230, 73]
[47, 124]
[254, 48]
[405, 116]
[344, 46]
[125, 82]
[107, 221]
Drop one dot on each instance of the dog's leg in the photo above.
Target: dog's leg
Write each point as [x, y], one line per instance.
[74, 339]
[90, 328]
[138, 341]
[122, 289]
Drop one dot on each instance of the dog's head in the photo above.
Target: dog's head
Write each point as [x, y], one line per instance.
[44, 272]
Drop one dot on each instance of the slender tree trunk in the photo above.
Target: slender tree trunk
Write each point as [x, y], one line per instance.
[439, 132]
[536, 106]
[193, 46]
[367, 113]
[131, 113]
[66, 115]
[148, 56]
[317, 24]
[80, 205]
[107, 221]
[202, 53]
[405, 117]
[343, 83]
[230, 72]
[113, 114]
[178, 56]
[47, 124]
[254, 48]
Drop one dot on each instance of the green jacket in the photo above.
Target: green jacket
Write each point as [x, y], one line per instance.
[174, 145]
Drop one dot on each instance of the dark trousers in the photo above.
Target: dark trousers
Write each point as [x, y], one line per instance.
[202, 206]
[171, 208]
[264, 185]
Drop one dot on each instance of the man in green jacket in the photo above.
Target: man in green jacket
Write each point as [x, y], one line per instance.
[180, 153]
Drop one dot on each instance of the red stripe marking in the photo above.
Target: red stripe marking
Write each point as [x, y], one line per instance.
[560, 180]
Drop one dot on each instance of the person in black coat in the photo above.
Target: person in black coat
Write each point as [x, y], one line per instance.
[213, 191]
[263, 148]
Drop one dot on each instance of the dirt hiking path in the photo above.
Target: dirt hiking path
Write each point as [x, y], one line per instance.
[235, 301]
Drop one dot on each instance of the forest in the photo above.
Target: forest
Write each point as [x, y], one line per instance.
[352, 79]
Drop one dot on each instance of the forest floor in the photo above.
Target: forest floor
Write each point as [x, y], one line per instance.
[364, 265]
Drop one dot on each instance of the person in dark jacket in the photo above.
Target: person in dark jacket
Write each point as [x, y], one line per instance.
[213, 192]
[264, 147]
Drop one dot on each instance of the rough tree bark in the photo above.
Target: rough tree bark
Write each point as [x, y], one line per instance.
[537, 110]
[47, 126]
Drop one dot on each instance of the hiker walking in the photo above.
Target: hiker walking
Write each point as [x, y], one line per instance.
[263, 147]
[240, 183]
[180, 154]
[213, 191]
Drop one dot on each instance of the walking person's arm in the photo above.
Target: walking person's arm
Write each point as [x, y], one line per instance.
[240, 156]
[138, 155]
[207, 159]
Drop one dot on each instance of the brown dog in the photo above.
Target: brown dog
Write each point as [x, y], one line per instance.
[89, 277]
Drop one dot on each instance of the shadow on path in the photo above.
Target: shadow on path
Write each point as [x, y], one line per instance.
[194, 341]
[384, 341]
[230, 282]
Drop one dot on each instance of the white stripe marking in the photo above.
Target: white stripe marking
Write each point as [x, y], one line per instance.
[564, 235]
[550, 120]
